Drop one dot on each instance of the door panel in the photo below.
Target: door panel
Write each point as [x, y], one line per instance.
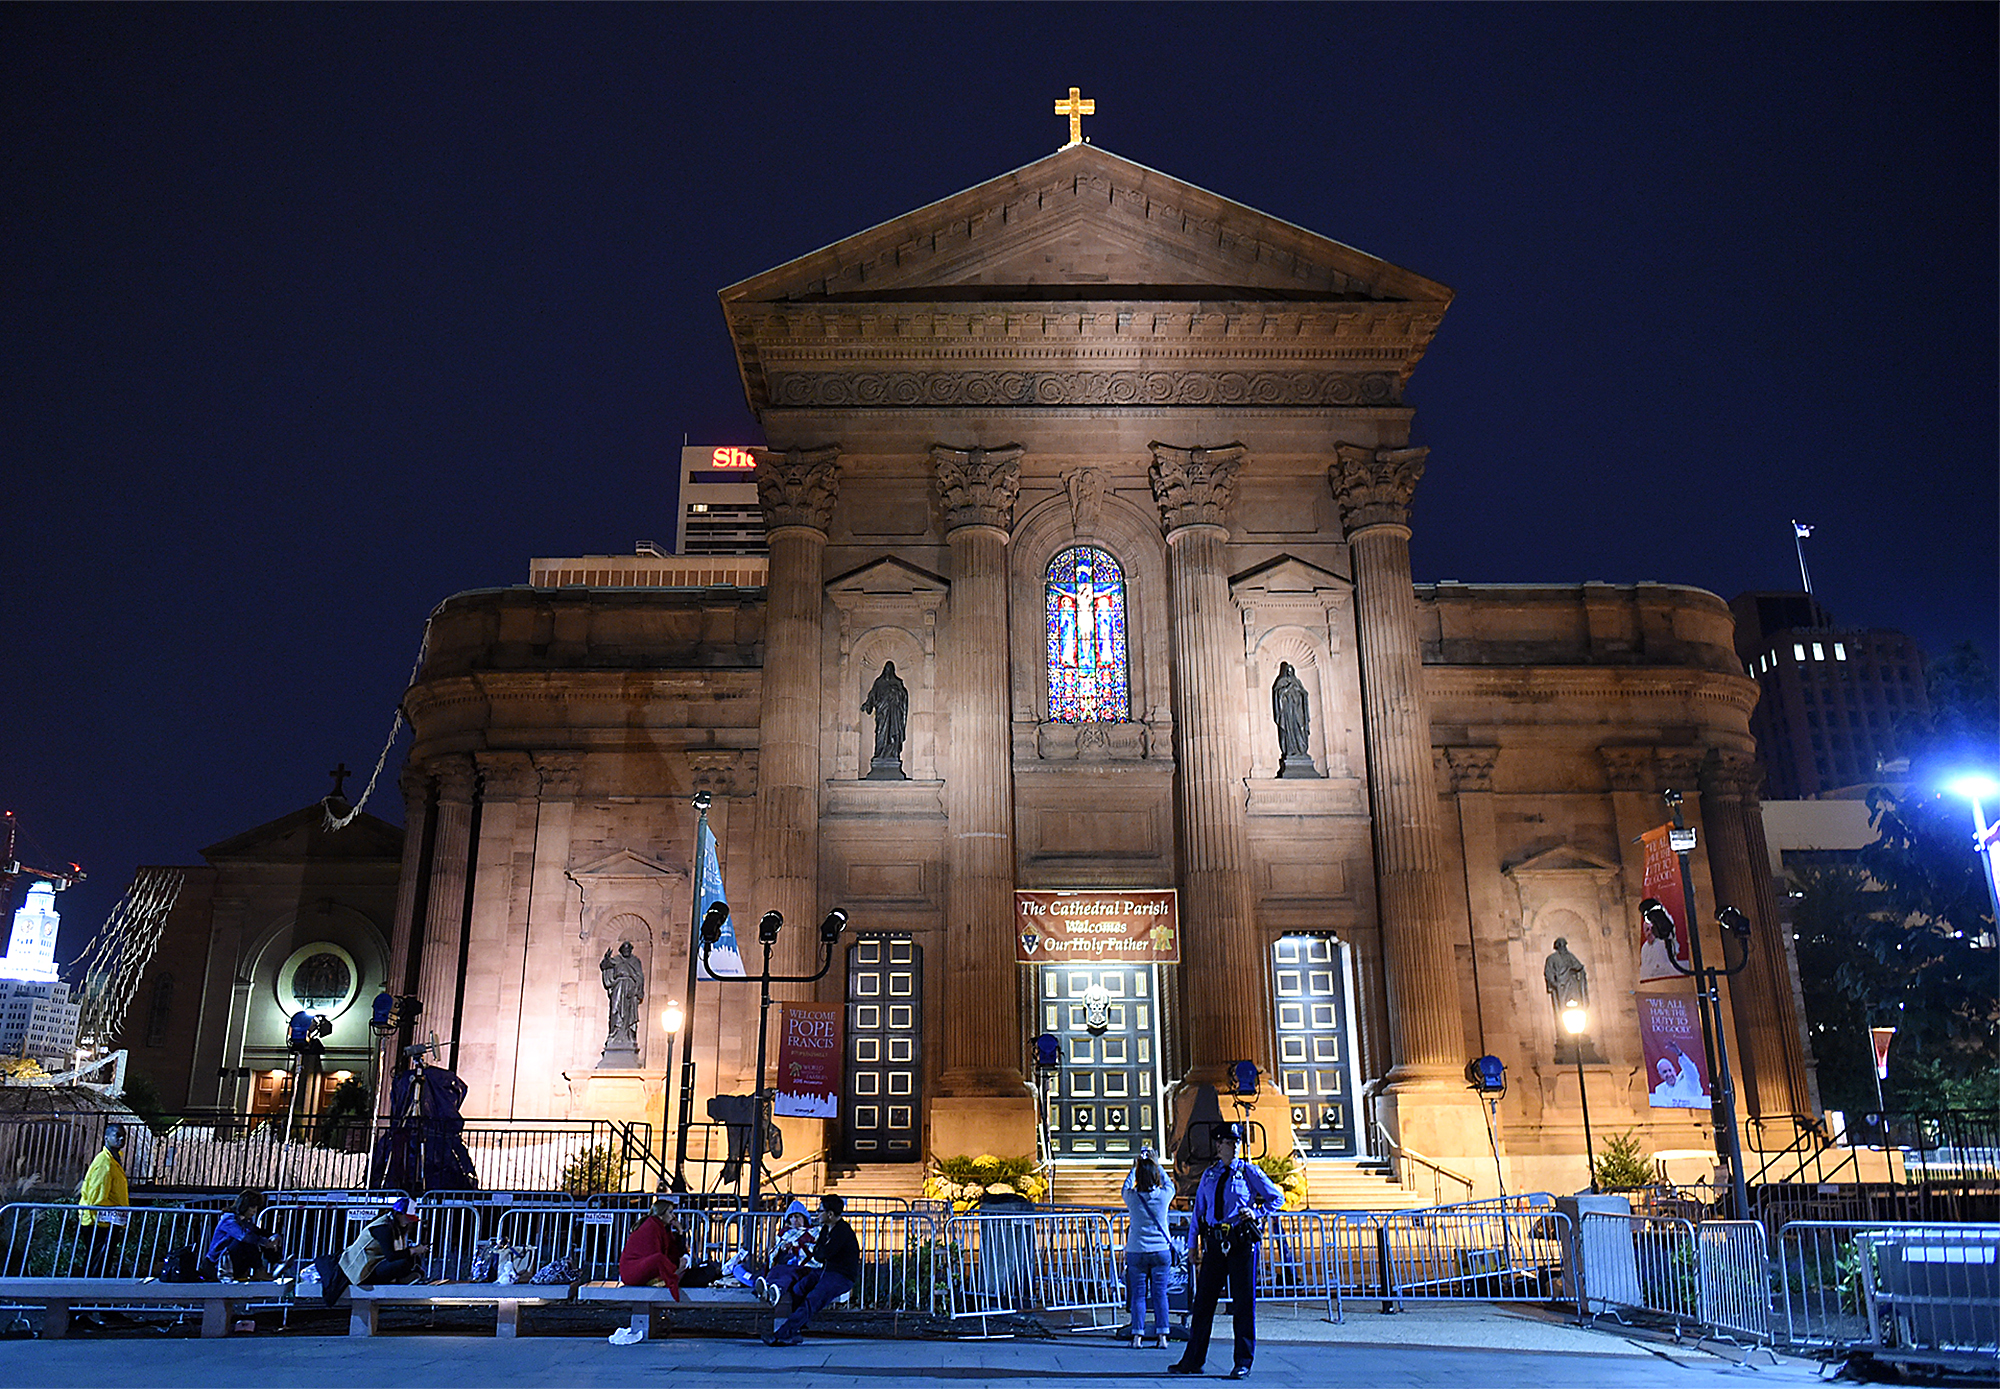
[881, 1114]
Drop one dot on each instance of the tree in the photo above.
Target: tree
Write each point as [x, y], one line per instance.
[1829, 903]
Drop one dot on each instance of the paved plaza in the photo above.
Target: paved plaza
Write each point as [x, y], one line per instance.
[1459, 1347]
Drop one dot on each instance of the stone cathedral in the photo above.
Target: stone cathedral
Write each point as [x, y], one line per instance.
[1117, 475]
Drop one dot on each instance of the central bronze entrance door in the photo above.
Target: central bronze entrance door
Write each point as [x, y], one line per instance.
[881, 1112]
[1105, 1104]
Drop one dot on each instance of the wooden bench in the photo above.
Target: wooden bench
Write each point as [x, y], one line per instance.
[506, 1298]
[55, 1296]
[646, 1302]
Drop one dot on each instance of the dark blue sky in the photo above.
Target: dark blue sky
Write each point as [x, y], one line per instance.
[315, 315]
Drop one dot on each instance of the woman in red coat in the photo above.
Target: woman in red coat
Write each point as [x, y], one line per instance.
[655, 1252]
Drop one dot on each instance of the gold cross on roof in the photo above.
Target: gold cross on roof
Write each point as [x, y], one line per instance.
[1076, 108]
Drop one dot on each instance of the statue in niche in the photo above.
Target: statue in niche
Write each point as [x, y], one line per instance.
[1565, 977]
[1291, 712]
[625, 987]
[889, 701]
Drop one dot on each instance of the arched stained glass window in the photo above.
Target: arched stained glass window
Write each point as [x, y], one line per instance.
[1088, 679]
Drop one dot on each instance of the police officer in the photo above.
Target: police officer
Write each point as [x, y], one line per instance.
[1230, 1205]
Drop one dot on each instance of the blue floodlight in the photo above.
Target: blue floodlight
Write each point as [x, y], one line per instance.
[1048, 1051]
[1246, 1075]
[1974, 786]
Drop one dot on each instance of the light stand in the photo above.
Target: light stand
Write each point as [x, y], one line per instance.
[1576, 1022]
[768, 928]
[672, 1019]
[1708, 1000]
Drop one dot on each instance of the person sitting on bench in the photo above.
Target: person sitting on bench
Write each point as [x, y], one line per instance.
[385, 1251]
[791, 1256]
[655, 1253]
[838, 1254]
[242, 1249]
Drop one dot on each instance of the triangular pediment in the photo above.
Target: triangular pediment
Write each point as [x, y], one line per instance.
[887, 578]
[1085, 224]
[1287, 578]
[303, 834]
[1562, 859]
[626, 864]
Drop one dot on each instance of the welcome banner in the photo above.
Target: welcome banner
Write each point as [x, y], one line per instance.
[808, 1060]
[1134, 926]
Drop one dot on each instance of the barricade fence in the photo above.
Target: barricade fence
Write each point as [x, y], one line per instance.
[1443, 1254]
[1645, 1263]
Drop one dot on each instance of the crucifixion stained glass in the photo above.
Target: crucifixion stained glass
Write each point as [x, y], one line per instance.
[1086, 615]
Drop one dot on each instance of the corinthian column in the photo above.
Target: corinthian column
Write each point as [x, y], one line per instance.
[1426, 1032]
[1763, 998]
[797, 491]
[981, 1041]
[439, 984]
[1228, 1007]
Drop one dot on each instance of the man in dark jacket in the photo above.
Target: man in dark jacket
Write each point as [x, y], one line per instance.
[838, 1255]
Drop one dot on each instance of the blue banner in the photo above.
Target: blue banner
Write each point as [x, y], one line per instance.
[725, 961]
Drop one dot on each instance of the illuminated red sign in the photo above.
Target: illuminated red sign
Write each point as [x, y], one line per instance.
[732, 458]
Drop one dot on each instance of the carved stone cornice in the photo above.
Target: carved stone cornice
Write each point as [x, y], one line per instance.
[1373, 487]
[1471, 768]
[507, 776]
[561, 774]
[723, 771]
[798, 487]
[1628, 768]
[1731, 776]
[1193, 487]
[456, 778]
[890, 389]
[978, 486]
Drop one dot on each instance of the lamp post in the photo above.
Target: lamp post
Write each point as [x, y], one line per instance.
[1576, 1021]
[1708, 999]
[671, 1019]
[702, 801]
[768, 927]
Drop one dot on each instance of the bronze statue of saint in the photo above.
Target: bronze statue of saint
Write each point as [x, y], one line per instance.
[889, 701]
[1565, 977]
[1289, 710]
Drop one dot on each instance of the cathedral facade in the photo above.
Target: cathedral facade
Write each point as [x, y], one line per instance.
[1088, 497]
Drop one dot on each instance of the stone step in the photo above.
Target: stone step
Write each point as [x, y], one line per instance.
[904, 1179]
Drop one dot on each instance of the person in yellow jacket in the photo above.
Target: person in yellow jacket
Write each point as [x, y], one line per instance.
[104, 1187]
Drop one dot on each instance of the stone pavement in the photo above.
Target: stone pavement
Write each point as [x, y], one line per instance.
[1450, 1347]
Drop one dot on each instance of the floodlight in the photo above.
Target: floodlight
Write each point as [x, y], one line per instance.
[712, 922]
[769, 925]
[830, 929]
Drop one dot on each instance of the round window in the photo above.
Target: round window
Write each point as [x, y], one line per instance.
[318, 978]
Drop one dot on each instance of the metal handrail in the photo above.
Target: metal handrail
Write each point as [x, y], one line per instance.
[1398, 1154]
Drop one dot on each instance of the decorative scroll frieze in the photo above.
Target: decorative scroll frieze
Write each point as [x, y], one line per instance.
[1193, 486]
[894, 389]
[978, 486]
[1373, 487]
[798, 487]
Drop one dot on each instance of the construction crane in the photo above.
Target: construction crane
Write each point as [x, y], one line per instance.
[12, 867]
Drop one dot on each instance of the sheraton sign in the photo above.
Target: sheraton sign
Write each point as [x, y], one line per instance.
[1137, 926]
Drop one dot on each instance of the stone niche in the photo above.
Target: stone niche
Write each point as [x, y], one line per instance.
[1296, 613]
[886, 611]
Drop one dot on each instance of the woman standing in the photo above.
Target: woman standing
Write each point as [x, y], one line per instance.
[1148, 1251]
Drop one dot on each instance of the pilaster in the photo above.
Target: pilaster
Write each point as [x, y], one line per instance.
[438, 981]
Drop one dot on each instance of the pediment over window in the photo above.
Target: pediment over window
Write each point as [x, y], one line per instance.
[625, 864]
[1288, 579]
[1563, 859]
[887, 578]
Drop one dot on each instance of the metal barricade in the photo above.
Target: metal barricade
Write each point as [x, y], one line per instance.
[311, 1223]
[1003, 1265]
[1296, 1260]
[1735, 1278]
[1820, 1276]
[1466, 1256]
[64, 1240]
[1644, 1263]
[1933, 1295]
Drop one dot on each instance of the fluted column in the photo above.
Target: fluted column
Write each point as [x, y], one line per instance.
[1228, 1005]
[406, 931]
[1373, 488]
[438, 981]
[1762, 998]
[797, 490]
[981, 1041]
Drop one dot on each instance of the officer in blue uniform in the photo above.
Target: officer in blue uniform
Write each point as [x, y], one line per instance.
[1230, 1206]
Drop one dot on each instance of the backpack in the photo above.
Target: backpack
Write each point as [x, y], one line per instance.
[181, 1266]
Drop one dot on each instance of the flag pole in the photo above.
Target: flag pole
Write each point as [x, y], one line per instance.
[1799, 534]
[702, 800]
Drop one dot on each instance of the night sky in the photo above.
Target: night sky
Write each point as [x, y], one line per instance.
[315, 316]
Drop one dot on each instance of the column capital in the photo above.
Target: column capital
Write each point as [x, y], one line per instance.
[561, 774]
[723, 771]
[415, 780]
[797, 487]
[1731, 776]
[1193, 487]
[1373, 487]
[1628, 768]
[455, 777]
[1471, 768]
[978, 486]
[507, 776]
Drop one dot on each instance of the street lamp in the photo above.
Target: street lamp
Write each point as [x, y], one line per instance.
[671, 1018]
[768, 928]
[1576, 1021]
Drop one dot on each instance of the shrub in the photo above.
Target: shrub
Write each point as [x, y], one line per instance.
[1623, 1165]
[1290, 1177]
[963, 1181]
[592, 1171]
